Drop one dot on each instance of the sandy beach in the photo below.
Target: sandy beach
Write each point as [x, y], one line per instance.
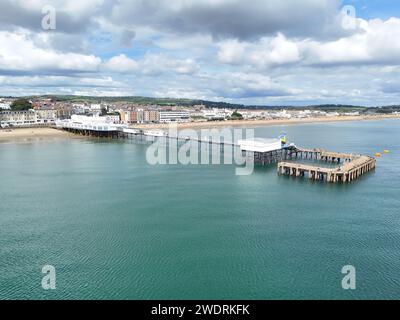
[31, 133]
[261, 123]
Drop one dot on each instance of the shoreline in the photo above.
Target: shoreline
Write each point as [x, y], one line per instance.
[265, 123]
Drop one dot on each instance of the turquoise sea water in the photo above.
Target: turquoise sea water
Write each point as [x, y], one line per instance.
[115, 227]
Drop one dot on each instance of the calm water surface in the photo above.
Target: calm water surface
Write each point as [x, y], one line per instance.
[117, 228]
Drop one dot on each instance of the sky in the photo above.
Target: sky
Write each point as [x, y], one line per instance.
[259, 52]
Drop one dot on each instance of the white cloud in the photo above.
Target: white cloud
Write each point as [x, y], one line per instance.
[151, 64]
[279, 51]
[121, 64]
[240, 85]
[18, 53]
[231, 52]
[262, 54]
[154, 64]
[57, 81]
[378, 43]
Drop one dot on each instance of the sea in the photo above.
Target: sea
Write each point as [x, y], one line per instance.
[114, 226]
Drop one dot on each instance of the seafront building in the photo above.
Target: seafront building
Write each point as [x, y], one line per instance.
[140, 116]
[174, 116]
[18, 118]
[215, 114]
[46, 116]
[151, 116]
[33, 117]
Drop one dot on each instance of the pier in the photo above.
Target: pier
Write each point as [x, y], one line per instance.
[117, 131]
[349, 167]
[352, 167]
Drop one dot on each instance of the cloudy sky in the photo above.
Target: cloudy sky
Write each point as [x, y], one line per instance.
[267, 52]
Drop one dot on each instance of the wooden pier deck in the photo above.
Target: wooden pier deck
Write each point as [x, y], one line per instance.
[353, 167]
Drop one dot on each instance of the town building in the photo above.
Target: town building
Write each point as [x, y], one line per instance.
[18, 118]
[151, 116]
[64, 112]
[125, 116]
[46, 116]
[174, 116]
[5, 105]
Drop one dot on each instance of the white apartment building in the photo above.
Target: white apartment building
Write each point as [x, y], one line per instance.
[174, 116]
[46, 116]
[252, 114]
[216, 113]
[18, 118]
